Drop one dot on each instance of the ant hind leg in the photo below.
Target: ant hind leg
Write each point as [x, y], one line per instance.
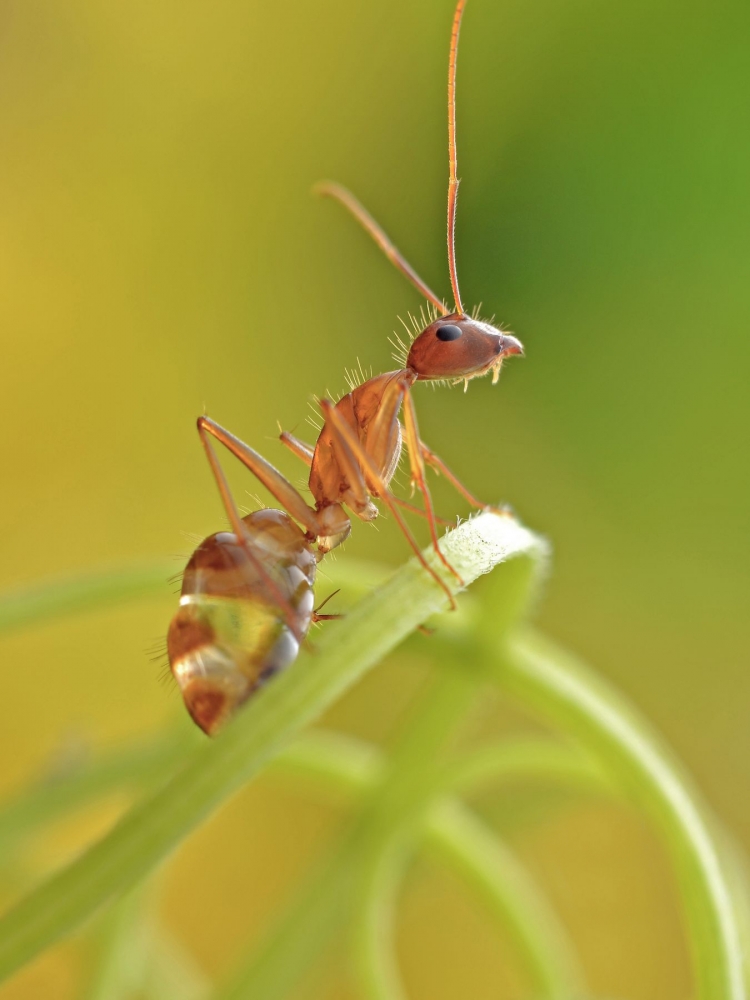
[291, 500]
[240, 531]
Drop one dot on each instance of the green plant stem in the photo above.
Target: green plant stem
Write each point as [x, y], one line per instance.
[54, 598]
[139, 957]
[51, 798]
[339, 761]
[350, 764]
[173, 973]
[543, 677]
[153, 829]
[318, 911]
[374, 948]
[124, 951]
[390, 824]
[347, 765]
[527, 759]
[342, 762]
[463, 843]
[474, 853]
[397, 799]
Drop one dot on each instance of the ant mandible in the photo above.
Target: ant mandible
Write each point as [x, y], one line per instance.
[247, 596]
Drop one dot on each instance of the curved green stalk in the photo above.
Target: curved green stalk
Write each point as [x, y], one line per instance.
[523, 759]
[472, 850]
[153, 829]
[542, 676]
[374, 946]
[346, 764]
[48, 799]
[124, 949]
[173, 973]
[390, 824]
[396, 802]
[351, 766]
[341, 761]
[70, 595]
[464, 844]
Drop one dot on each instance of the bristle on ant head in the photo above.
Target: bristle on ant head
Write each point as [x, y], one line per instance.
[428, 313]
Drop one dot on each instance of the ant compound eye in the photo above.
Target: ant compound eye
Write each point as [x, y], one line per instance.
[448, 332]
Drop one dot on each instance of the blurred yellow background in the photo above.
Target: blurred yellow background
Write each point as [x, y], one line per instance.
[161, 255]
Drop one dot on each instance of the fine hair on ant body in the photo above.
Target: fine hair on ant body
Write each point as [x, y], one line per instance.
[247, 595]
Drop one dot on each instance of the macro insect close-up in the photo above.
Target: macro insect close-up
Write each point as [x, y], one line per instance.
[413, 787]
[247, 596]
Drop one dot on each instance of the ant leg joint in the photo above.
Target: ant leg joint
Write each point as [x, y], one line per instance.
[325, 618]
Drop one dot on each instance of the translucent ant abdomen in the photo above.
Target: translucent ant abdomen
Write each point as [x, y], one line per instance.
[230, 633]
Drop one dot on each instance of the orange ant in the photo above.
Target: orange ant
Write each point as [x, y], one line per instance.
[247, 596]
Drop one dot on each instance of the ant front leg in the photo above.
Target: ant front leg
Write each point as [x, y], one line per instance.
[435, 462]
[416, 459]
[413, 509]
[359, 468]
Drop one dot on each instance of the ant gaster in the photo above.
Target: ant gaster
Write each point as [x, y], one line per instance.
[247, 596]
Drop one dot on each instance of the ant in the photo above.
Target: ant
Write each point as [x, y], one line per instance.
[247, 595]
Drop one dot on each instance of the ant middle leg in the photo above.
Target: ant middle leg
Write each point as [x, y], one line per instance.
[297, 447]
[418, 478]
[435, 462]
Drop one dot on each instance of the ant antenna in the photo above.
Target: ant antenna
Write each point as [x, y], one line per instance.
[330, 189]
[452, 159]
[338, 192]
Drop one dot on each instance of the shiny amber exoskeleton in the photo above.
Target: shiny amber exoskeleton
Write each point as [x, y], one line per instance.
[230, 634]
[247, 596]
[461, 348]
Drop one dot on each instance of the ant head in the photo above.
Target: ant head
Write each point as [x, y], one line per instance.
[457, 347]
[454, 346]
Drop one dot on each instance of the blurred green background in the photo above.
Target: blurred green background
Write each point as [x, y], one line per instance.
[160, 254]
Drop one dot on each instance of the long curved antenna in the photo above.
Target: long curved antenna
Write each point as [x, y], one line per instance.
[452, 159]
[330, 189]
